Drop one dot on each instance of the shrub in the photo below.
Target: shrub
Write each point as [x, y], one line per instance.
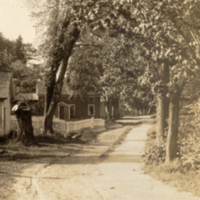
[189, 137]
[188, 142]
[155, 154]
[151, 133]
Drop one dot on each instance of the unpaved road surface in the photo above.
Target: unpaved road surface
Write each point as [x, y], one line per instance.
[86, 176]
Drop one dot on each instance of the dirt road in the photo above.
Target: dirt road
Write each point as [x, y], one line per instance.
[86, 176]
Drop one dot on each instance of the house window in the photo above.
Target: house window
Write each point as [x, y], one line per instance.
[62, 112]
[91, 109]
[72, 110]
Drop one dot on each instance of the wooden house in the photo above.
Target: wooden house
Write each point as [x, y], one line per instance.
[76, 108]
[6, 95]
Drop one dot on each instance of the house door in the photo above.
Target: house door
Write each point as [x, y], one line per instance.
[62, 112]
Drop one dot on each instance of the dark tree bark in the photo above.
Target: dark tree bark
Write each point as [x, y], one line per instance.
[25, 132]
[173, 127]
[55, 60]
[162, 106]
[172, 136]
[70, 38]
[108, 108]
[116, 114]
[162, 113]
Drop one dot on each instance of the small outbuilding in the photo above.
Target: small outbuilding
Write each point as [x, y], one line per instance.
[6, 96]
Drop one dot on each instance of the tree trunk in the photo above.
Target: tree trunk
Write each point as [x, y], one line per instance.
[162, 106]
[116, 114]
[20, 127]
[108, 108]
[173, 127]
[162, 112]
[25, 126]
[56, 56]
[71, 37]
[49, 93]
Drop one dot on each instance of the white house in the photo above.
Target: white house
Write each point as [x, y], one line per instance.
[6, 95]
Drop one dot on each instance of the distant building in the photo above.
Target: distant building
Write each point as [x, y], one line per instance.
[6, 95]
[75, 108]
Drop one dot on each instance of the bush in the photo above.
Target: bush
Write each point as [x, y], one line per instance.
[183, 172]
[188, 142]
[151, 133]
[155, 154]
[189, 137]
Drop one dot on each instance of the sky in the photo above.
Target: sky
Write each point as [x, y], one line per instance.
[15, 21]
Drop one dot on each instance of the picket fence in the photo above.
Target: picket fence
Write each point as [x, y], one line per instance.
[61, 126]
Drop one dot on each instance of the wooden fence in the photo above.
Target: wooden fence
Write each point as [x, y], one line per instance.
[60, 125]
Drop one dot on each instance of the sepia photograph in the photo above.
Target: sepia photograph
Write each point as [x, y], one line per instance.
[99, 99]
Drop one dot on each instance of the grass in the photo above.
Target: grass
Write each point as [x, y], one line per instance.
[172, 173]
[50, 145]
[47, 146]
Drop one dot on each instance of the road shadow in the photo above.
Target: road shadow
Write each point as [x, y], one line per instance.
[136, 120]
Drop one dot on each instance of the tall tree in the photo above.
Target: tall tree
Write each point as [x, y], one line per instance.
[6, 53]
[170, 27]
[106, 65]
[19, 51]
[63, 21]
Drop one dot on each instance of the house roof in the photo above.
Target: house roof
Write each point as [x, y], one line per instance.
[40, 90]
[6, 85]
[27, 96]
[63, 103]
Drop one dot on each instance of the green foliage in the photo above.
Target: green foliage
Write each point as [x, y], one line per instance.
[175, 175]
[189, 138]
[170, 35]
[6, 53]
[19, 51]
[151, 133]
[155, 154]
[110, 66]
[159, 87]
[25, 78]
[188, 152]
